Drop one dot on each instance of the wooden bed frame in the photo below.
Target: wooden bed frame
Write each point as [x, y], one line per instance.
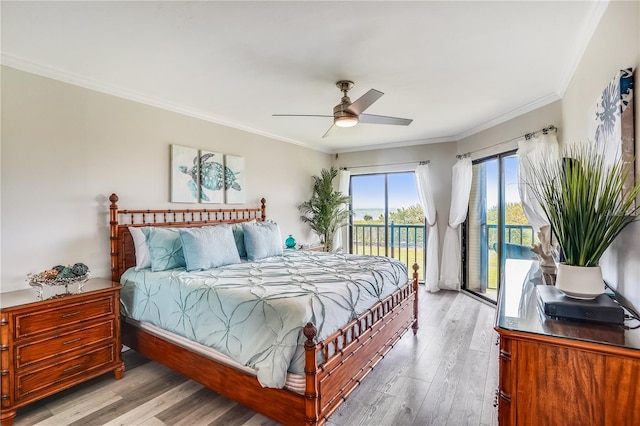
[349, 354]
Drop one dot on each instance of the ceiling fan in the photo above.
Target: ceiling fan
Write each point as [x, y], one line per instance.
[348, 114]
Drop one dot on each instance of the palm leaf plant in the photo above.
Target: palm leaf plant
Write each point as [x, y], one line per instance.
[325, 212]
[586, 201]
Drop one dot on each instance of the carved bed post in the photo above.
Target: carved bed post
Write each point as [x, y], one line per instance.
[415, 300]
[311, 377]
[113, 235]
[263, 212]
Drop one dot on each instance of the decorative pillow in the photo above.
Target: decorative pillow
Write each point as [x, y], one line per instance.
[165, 248]
[262, 239]
[143, 257]
[238, 234]
[209, 247]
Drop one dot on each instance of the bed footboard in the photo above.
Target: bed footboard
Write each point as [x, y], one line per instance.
[352, 352]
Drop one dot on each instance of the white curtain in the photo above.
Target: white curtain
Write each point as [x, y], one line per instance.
[531, 153]
[425, 194]
[451, 252]
[343, 186]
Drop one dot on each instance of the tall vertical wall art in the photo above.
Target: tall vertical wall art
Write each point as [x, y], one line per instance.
[184, 174]
[234, 176]
[211, 177]
[612, 121]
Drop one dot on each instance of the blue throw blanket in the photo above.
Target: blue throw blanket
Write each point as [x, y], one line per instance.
[254, 312]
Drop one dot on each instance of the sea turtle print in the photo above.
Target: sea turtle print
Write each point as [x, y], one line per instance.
[211, 176]
[193, 173]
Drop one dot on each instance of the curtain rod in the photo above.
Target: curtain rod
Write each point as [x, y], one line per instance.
[388, 164]
[527, 136]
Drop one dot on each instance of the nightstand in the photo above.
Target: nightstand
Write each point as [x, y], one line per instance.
[50, 345]
[313, 248]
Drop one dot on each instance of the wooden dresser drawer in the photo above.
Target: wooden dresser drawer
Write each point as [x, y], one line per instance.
[39, 381]
[506, 387]
[45, 349]
[47, 320]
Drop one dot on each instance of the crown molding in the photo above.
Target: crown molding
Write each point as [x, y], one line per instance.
[531, 106]
[88, 83]
[584, 38]
[399, 144]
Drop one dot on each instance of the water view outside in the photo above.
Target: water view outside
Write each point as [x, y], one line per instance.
[387, 218]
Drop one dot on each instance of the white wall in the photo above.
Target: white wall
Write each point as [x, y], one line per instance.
[615, 45]
[65, 149]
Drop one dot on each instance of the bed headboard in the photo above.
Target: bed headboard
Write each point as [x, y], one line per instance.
[123, 255]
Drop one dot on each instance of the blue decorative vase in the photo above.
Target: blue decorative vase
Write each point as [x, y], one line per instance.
[290, 242]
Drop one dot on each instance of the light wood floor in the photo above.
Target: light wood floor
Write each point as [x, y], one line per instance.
[447, 375]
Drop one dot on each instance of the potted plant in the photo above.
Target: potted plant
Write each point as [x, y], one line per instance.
[325, 212]
[588, 204]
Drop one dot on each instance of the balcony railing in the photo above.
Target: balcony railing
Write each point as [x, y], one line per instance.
[406, 243]
[514, 234]
[518, 240]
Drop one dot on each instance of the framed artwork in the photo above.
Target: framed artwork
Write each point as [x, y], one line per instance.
[184, 174]
[612, 122]
[234, 180]
[211, 177]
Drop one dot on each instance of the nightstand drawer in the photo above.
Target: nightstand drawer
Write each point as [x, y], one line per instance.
[39, 381]
[48, 320]
[41, 350]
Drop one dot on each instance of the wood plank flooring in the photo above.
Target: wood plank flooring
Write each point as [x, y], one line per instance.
[446, 375]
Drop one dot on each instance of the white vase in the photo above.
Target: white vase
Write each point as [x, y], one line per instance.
[580, 282]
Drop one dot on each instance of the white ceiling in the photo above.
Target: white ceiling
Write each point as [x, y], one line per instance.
[454, 67]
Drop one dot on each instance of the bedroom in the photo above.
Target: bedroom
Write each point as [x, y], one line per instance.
[65, 148]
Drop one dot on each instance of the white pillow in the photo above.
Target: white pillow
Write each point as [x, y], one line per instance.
[143, 257]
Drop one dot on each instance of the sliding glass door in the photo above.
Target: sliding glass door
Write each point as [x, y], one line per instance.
[496, 228]
[387, 218]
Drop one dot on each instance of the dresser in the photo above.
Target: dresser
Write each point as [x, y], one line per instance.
[53, 344]
[555, 372]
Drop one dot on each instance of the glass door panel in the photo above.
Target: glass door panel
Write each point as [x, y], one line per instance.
[482, 229]
[368, 204]
[387, 218]
[496, 227]
[406, 227]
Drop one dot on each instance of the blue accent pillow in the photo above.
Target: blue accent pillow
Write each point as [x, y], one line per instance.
[238, 235]
[262, 239]
[165, 248]
[209, 247]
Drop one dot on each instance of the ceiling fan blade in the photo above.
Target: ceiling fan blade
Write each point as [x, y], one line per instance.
[330, 130]
[300, 115]
[381, 119]
[364, 101]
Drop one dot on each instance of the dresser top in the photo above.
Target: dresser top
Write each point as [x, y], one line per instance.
[17, 298]
[518, 311]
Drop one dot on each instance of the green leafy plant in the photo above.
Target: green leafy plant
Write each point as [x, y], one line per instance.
[325, 212]
[586, 201]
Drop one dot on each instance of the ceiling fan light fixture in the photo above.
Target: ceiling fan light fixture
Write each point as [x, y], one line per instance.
[345, 121]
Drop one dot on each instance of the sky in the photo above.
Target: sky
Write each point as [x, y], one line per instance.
[511, 181]
[368, 191]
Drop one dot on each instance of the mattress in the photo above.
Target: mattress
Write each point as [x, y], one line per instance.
[254, 312]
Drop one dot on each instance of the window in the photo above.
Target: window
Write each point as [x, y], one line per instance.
[387, 218]
[496, 228]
